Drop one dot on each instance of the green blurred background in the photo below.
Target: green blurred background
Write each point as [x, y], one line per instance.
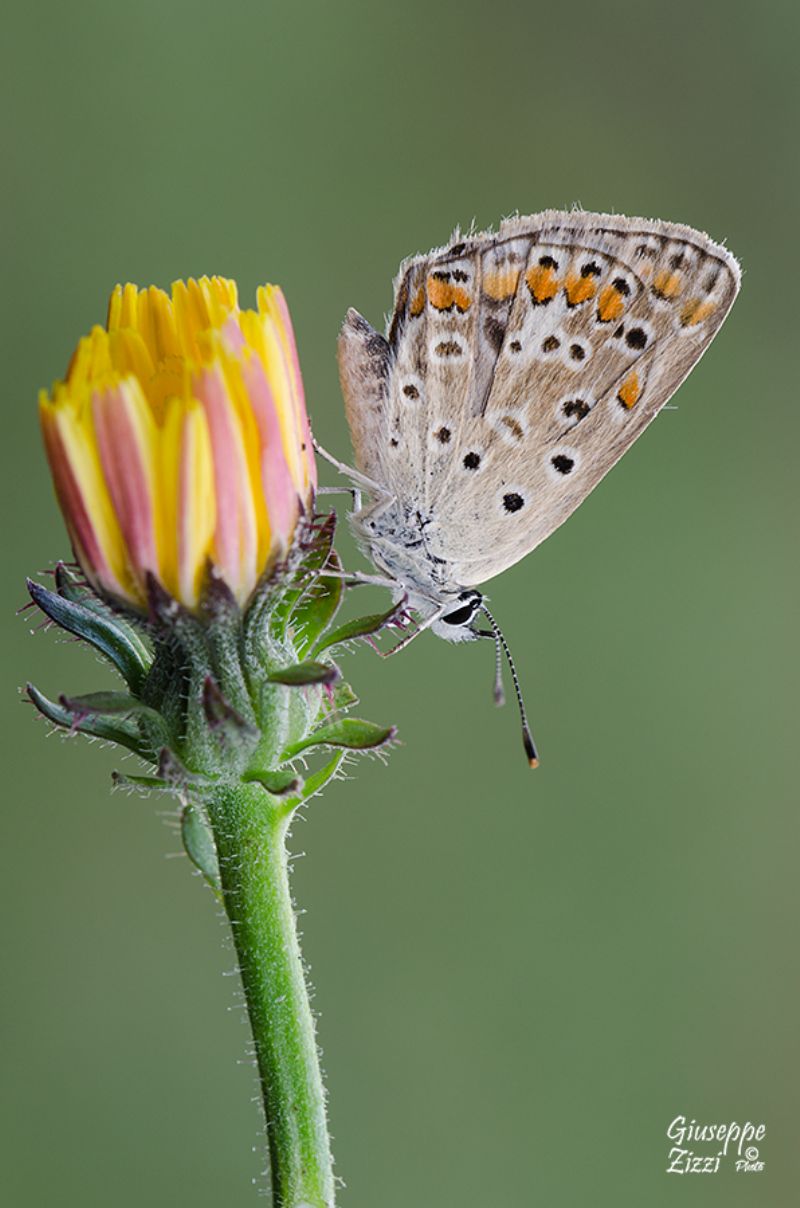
[521, 978]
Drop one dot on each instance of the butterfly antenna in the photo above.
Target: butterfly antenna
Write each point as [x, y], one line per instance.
[498, 693]
[502, 644]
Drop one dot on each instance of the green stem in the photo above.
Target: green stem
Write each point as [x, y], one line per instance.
[250, 831]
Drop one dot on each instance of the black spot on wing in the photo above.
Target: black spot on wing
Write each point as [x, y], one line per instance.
[495, 331]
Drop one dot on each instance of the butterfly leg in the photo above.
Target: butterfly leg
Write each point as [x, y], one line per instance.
[354, 577]
[406, 641]
[370, 512]
[353, 492]
[368, 483]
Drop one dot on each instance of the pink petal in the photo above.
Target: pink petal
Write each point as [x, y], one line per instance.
[299, 392]
[124, 459]
[280, 494]
[235, 538]
[88, 549]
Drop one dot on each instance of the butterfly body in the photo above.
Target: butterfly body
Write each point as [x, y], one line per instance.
[394, 535]
[517, 367]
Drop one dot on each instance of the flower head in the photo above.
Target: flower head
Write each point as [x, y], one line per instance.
[180, 437]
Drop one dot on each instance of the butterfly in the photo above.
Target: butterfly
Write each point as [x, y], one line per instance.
[516, 369]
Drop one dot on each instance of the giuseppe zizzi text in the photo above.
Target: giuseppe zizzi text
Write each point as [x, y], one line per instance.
[740, 1142]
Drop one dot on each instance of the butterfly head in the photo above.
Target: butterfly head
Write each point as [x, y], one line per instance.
[455, 625]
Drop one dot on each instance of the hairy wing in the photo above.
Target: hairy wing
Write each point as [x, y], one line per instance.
[607, 318]
[519, 366]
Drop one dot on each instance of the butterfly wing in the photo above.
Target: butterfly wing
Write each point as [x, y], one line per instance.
[520, 366]
[406, 396]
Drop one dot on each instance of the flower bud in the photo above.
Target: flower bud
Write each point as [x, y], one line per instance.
[180, 439]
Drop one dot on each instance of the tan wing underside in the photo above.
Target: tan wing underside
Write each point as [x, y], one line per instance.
[560, 337]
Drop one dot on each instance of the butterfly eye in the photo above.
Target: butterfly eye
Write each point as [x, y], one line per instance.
[464, 614]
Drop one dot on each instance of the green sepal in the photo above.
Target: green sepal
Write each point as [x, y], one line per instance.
[300, 674]
[361, 627]
[313, 552]
[86, 617]
[342, 696]
[123, 730]
[222, 625]
[171, 775]
[72, 586]
[348, 732]
[316, 609]
[222, 717]
[108, 702]
[112, 705]
[123, 781]
[173, 771]
[277, 783]
[315, 783]
[200, 847]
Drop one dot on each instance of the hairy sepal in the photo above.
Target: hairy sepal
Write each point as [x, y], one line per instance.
[84, 615]
[219, 696]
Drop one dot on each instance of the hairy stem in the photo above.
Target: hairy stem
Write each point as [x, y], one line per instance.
[250, 832]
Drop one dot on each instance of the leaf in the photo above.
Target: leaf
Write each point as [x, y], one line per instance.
[200, 847]
[361, 627]
[348, 732]
[305, 673]
[97, 625]
[121, 730]
[277, 783]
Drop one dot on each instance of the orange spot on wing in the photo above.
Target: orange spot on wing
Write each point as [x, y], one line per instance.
[542, 282]
[667, 284]
[695, 311]
[610, 304]
[443, 295]
[502, 284]
[630, 390]
[417, 303]
[579, 289]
